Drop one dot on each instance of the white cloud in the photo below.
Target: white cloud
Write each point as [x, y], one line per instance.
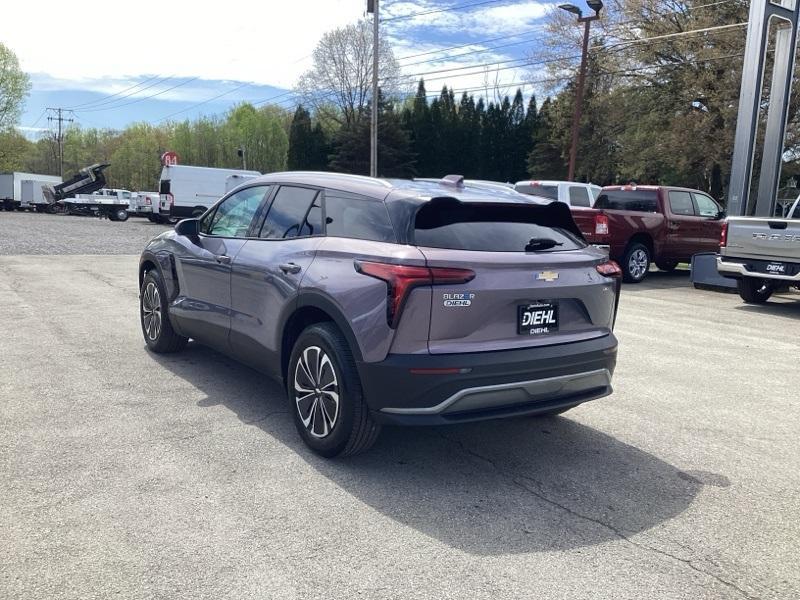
[249, 40]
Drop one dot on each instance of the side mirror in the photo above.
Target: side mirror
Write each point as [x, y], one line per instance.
[720, 215]
[188, 227]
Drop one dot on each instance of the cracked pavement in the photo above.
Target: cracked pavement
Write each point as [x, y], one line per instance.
[140, 476]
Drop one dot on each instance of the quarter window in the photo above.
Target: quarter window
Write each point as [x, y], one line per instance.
[706, 207]
[579, 196]
[293, 213]
[234, 215]
[680, 203]
[351, 216]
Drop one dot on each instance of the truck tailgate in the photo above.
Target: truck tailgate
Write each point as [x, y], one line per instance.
[591, 222]
[763, 238]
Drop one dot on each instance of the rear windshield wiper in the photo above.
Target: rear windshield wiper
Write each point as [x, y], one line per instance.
[537, 244]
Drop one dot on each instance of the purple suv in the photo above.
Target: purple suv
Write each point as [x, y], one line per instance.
[389, 301]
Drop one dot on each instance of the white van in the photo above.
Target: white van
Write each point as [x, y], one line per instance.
[571, 193]
[189, 191]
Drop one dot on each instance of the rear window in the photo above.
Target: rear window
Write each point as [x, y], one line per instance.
[636, 200]
[489, 228]
[164, 186]
[543, 191]
[579, 196]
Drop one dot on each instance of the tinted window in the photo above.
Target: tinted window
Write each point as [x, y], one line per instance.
[636, 200]
[287, 215]
[796, 212]
[706, 207]
[680, 203]
[163, 187]
[486, 228]
[355, 217]
[579, 196]
[233, 216]
[537, 189]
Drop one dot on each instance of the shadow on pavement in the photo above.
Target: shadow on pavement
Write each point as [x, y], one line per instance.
[659, 280]
[492, 488]
[785, 305]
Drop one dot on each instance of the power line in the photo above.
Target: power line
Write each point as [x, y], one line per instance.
[116, 106]
[193, 106]
[486, 41]
[103, 99]
[441, 10]
[39, 118]
[482, 51]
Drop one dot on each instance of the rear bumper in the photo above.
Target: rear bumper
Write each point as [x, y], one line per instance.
[738, 268]
[488, 385]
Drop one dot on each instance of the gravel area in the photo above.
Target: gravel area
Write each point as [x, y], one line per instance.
[34, 233]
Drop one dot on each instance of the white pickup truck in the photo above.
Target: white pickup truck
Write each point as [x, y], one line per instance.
[762, 253]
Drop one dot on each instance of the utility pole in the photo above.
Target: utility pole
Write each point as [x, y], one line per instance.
[59, 117]
[372, 6]
[243, 155]
[596, 6]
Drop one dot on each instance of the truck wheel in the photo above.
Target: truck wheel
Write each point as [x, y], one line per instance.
[325, 394]
[667, 265]
[754, 290]
[121, 214]
[635, 263]
[198, 211]
[154, 316]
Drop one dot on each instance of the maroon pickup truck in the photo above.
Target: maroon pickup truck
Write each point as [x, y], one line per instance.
[645, 223]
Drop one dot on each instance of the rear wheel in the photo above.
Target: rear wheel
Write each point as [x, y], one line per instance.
[667, 265]
[754, 290]
[325, 393]
[158, 333]
[636, 263]
[198, 211]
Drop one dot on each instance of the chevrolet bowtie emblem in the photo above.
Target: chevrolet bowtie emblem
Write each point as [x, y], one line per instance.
[547, 276]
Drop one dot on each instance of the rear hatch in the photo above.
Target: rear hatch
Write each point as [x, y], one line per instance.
[526, 291]
[764, 239]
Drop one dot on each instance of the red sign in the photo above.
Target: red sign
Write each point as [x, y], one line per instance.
[169, 159]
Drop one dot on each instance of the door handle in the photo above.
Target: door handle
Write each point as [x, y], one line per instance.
[674, 226]
[290, 268]
[223, 259]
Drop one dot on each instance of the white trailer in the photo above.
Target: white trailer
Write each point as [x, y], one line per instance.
[113, 204]
[11, 186]
[189, 191]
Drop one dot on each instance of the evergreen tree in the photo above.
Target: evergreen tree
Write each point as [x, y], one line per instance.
[545, 160]
[300, 140]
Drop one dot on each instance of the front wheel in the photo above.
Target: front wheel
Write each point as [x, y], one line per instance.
[158, 333]
[121, 214]
[754, 290]
[325, 394]
[636, 263]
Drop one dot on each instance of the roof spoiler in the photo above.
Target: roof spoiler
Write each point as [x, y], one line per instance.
[456, 180]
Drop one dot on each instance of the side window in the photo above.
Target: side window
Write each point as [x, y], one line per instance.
[287, 215]
[351, 216]
[680, 203]
[706, 207]
[233, 216]
[579, 196]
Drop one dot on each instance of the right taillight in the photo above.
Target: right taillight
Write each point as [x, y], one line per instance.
[601, 224]
[723, 235]
[609, 269]
[401, 279]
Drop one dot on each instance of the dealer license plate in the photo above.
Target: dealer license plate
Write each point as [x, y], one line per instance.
[537, 319]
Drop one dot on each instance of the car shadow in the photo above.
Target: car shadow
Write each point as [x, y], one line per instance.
[656, 280]
[491, 488]
[785, 305]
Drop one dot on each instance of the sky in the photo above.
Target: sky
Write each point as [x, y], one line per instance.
[159, 60]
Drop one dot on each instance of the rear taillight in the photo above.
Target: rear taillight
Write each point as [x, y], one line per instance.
[147, 200]
[723, 235]
[609, 269]
[601, 224]
[171, 200]
[401, 279]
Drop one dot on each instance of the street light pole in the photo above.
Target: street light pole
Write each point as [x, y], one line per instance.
[595, 5]
[373, 130]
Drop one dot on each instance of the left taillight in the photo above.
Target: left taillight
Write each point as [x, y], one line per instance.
[609, 268]
[401, 279]
[723, 235]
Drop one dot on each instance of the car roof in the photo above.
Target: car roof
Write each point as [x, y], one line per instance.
[634, 187]
[554, 182]
[395, 189]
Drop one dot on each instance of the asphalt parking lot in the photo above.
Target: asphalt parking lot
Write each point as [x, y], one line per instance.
[131, 475]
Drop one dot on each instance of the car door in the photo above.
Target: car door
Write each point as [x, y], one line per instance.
[204, 271]
[267, 273]
[709, 214]
[682, 226]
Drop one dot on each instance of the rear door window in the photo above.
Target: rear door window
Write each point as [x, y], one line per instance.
[579, 196]
[635, 200]
[487, 228]
[680, 203]
[537, 189]
[292, 214]
[352, 216]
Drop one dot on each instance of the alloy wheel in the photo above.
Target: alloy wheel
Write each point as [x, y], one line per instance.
[638, 264]
[151, 311]
[316, 391]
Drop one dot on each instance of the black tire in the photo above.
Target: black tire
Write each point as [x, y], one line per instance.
[198, 211]
[121, 214]
[754, 290]
[351, 430]
[667, 265]
[635, 263]
[164, 340]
